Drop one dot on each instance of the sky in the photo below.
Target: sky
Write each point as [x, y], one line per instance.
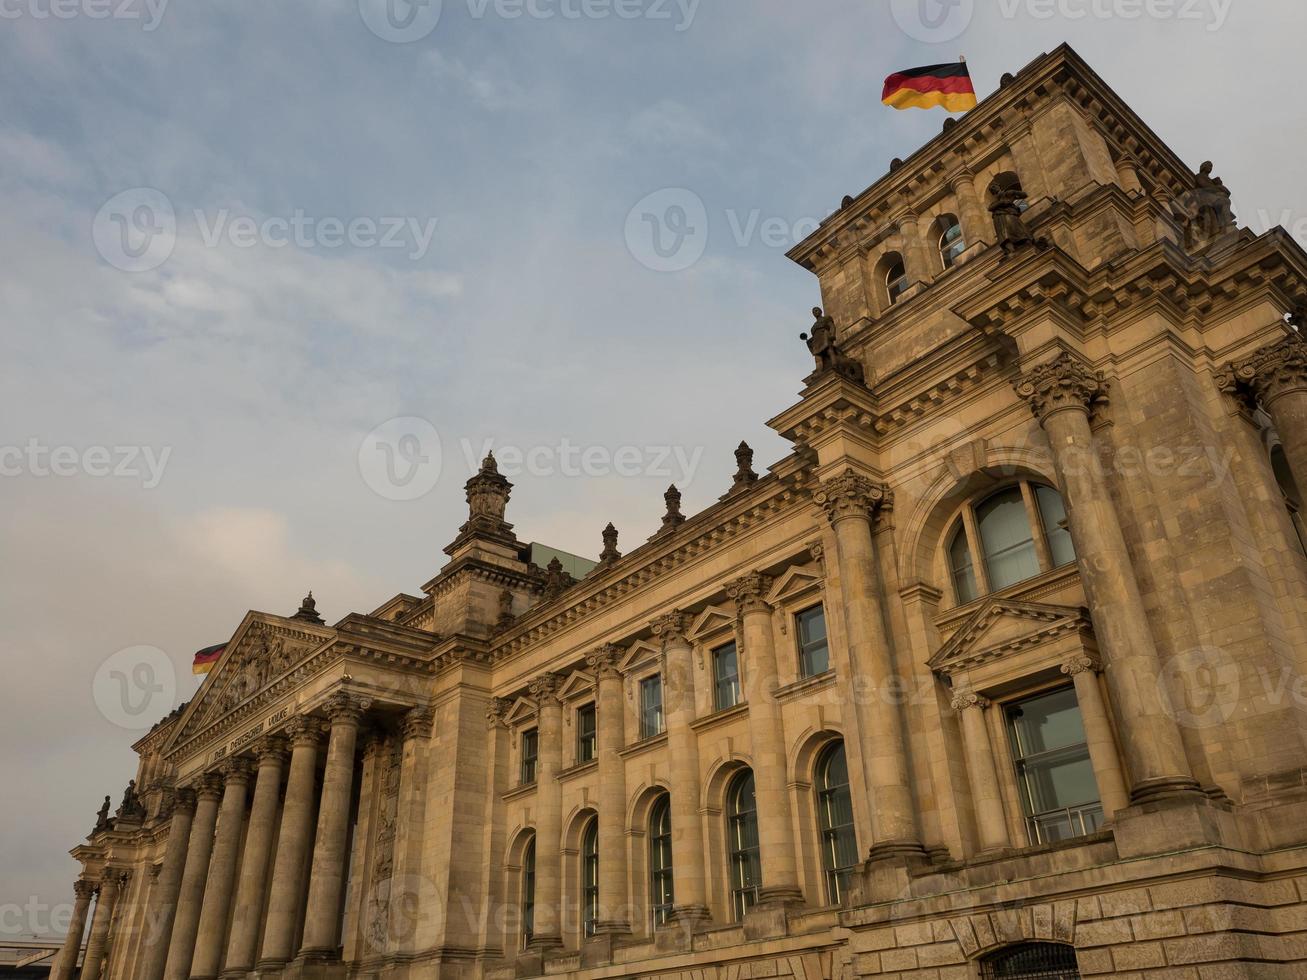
[275, 274]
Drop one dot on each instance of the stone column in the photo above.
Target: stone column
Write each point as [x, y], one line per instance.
[247, 916]
[1060, 394]
[292, 844]
[66, 964]
[163, 902]
[1103, 754]
[991, 822]
[780, 873]
[972, 213]
[407, 893]
[849, 500]
[327, 878]
[181, 944]
[689, 857]
[916, 258]
[548, 932]
[1277, 376]
[614, 917]
[216, 906]
[111, 880]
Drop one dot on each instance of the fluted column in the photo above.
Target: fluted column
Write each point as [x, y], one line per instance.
[163, 901]
[1103, 754]
[983, 774]
[780, 872]
[111, 880]
[1277, 376]
[548, 933]
[292, 844]
[327, 878]
[614, 918]
[66, 964]
[222, 871]
[849, 500]
[1060, 394]
[247, 916]
[181, 944]
[689, 885]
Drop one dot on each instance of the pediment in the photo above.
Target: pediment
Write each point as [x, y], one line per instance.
[796, 580]
[263, 650]
[523, 709]
[1003, 625]
[714, 619]
[639, 653]
[578, 684]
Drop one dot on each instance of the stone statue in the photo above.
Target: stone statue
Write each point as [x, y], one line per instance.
[826, 350]
[1204, 212]
[1008, 214]
[131, 806]
[102, 821]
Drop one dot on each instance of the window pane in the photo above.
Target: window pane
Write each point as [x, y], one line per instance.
[896, 281]
[585, 734]
[746, 864]
[964, 574]
[726, 676]
[1006, 539]
[951, 244]
[835, 805]
[814, 651]
[651, 706]
[1052, 512]
[530, 752]
[1058, 788]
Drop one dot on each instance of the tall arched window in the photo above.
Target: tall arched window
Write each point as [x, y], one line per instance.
[1032, 961]
[590, 876]
[896, 277]
[529, 892]
[1020, 531]
[950, 243]
[661, 895]
[1292, 495]
[839, 842]
[742, 829]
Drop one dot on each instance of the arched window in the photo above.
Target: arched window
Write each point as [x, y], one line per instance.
[590, 877]
[661, 895]
[950, 243]
[1020, 532]
[896, 277]
[742, 829]
[1292, 495]
[839, 842]
[1032, 961]
[529, 892]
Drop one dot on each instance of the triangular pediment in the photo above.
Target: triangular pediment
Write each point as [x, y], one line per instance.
[523, 709]
[638, 654]
[1005, 624]
[796, 580]
[263, 651]
[578, 684]
[714, 619]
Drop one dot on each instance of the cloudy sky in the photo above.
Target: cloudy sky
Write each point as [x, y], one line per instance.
[238, 239]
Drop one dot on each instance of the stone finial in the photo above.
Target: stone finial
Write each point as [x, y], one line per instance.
[745, 477]
[545, 688]
[672, 627]
[606, 661]
[308, 610]
[488, 491]
[1269, 372]
[850, 494]
[673, 518]
[610, 552]
[1064, 383]
[749, 591]
[557, 581]
[968, 699]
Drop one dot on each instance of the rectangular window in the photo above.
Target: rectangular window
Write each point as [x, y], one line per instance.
[530, 753]
[726, 677]
[585, 734]
[651, 706]
[1058, 789]
[814, 651]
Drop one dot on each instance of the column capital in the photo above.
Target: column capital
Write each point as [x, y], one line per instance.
[606, 661]
[155, 871]
[271, 748]
[497, 712]
[417, 723]
[83, 889]
[964, 176]
[236, 771]
[109, 875]
[184, 800]
[374, 743]
[963, 700]
[672, 627]
[906, 219]
[849, 494]
[305, 730]
[545, 688]
[209, 787]
[1080, 663]
[1066, 382]
[1274, 370]
[748, 591]
[345, 708]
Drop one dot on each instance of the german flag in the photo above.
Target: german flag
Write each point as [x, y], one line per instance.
[206, 658]
[935, 85]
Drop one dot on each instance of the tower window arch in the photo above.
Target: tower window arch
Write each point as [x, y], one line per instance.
[950, 242]
[661, 893]
[839, 841]
[742, 833]
[896, 277]
[590, 877]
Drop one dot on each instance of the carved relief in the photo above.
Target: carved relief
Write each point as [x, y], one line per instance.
[1270, 372]
[1066, 382]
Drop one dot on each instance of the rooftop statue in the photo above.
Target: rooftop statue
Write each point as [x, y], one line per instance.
[829, 356]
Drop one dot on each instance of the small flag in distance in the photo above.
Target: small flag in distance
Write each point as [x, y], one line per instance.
[948, 86]
[206, 658]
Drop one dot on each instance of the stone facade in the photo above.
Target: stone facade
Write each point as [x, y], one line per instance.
[1002, 665]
